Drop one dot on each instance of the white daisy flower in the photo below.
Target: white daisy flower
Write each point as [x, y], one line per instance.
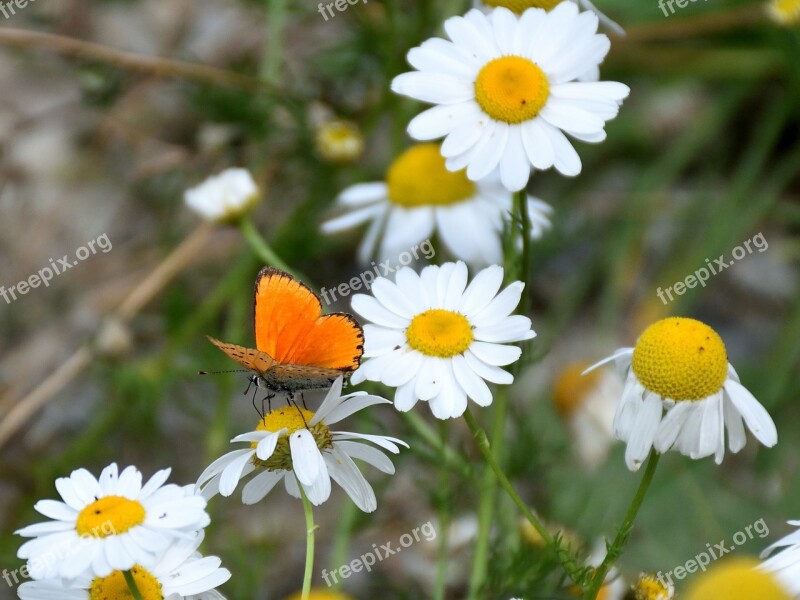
[651, 587]
[297, 446]
[588, 403]
[785, 565]
[506, 94]
[224, 197]
[177, 573]
[421, 197]
[680, 366]
[436, 341]
[520, 6]
[110, 523]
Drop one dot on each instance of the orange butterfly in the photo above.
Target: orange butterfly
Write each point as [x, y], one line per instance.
[297, 348]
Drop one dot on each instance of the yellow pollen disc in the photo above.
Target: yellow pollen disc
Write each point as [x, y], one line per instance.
[438, 332]
[320, 595]
[785, 12]
[649, 588]
[339, 141]
[512, 89]
[736, 579]
[114, 587]
[418, 177]
[571, 388]
[111, 515]
[290, 417]
[681, 359]
[520, 6]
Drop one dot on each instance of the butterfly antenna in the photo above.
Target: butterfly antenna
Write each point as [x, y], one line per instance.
[221, 372]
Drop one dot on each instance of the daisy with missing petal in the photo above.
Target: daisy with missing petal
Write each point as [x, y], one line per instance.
[785, 565]
[297, 446]
[436, 339]
[505, 91]
[421, 197]
[177, 573]
[109, 523]
[680, 366]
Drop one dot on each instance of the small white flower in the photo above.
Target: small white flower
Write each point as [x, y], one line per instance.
[420, 198]
[785, 565]
[295, 445]
[339, 141]
[680, 366]
[437, 340]
[177, 573]
[110, 523]
[224, 197]
[505, 91]
[651, 587]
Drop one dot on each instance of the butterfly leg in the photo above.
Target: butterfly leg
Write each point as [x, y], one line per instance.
[268, 398]
[293, 402]
[303, 398]
[261, 412]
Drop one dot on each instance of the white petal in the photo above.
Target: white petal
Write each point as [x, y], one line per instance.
[644, 432]
[344, 471]
[755, 416]
[305, 456]
[369, 308]
[514, 167]
[433, 88]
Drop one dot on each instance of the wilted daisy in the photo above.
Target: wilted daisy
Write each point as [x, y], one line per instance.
[680, 365]
[339, 141]
[179, 572]
[650, 587]
[520, 6]
[224, 197]
[109, 523]
[786, 563]
[736, 578]
[436, 339]
[506, 93]
[784, 12]
[421, 197]
[297, 446]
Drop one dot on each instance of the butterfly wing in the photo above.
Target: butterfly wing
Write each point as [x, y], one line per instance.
[249, 358]
[290, 327]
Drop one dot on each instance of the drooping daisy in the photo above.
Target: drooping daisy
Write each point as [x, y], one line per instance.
[436, 339]
[650, 587]
[588, 403]
[109, 523]
[420, 197]
[177, 573]
[680, 366]
[506, 93]
[520, 6]
[737, 578]
[785, 565]
[224, 197]
[784, 12]
[339, 141]
[297, 446]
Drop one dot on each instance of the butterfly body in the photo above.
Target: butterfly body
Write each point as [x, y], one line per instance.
[297, 348]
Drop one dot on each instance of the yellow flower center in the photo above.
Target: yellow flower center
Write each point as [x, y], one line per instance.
[649, 588]
[320, 595]
[110, 515]
[339, 141]
[520, 6]
[114, 587]
[512, 89]
[785, 12]
[736, 579]
[293, 419]
[418, 177]
[681, 359]
[438, 332]
[571, 388]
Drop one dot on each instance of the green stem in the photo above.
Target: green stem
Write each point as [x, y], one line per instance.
[310, 530]
[444, 503]
[341, 543]
[624, 532]
[521, 198]
[487, 501]
[567, 561]
[137, 595]
[260, 246]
